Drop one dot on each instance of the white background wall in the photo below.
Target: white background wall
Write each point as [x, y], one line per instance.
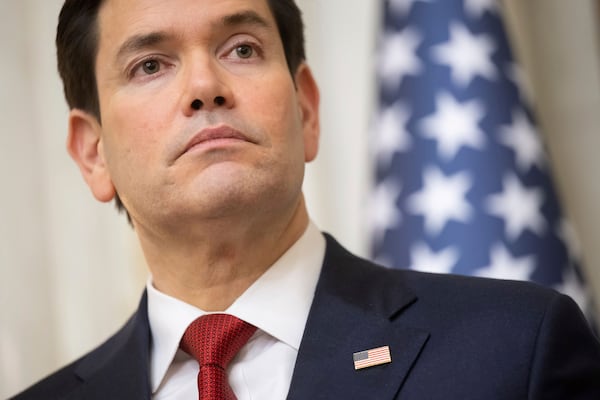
[68, 274]
[70, 268]
[558, 42]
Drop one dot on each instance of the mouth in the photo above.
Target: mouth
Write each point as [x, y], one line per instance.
[213, 137]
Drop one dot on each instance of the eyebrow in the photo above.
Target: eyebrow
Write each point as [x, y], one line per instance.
[143, 41]
[140, 42]
[244, 18]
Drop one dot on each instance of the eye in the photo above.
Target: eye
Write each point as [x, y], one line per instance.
[151, 67]
[244, 51]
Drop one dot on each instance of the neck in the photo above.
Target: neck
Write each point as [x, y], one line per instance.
[219, 260]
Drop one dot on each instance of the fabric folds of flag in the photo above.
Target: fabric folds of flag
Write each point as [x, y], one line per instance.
[462, 178]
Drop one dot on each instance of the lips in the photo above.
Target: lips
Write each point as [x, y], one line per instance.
[218, 133]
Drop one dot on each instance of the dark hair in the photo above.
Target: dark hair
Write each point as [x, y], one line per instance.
[77, 47]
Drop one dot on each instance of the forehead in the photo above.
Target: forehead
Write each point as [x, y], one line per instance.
[118, 19]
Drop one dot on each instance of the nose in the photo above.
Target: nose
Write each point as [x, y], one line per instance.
[206, 88]
[197, 104]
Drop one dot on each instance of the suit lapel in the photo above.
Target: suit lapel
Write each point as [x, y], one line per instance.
[119, 368]
[356, 307]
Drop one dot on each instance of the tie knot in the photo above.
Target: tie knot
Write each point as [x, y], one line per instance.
[215, 339]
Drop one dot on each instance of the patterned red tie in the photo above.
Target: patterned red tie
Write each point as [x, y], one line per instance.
[213, 340]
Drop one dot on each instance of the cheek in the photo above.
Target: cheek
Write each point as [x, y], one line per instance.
[280, 112]
[135, 121]
[132, 137]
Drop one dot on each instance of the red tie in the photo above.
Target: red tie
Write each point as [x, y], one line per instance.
[213, 340]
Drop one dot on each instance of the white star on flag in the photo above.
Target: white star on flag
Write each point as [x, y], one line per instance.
[504, 266]
[385, 213]
[523, 139]
[477, 197]
[519, 208]
[476, 8]
[454, 125]
[399, 57]
[442, 198]
[467, 55]
[426, 260]
[392, 136]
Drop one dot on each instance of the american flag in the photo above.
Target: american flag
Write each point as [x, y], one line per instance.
[371, 358]
[462, 178]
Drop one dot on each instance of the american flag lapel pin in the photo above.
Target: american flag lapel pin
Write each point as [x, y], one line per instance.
[372, 357]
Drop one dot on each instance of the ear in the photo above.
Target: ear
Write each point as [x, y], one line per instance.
[84, 144]
[308, 98]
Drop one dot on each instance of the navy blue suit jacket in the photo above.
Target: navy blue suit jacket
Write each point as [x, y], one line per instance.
[450, 338]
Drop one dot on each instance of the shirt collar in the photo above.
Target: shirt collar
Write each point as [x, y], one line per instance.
[278, 303]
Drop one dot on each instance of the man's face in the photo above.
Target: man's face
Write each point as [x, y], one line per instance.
[200, 115]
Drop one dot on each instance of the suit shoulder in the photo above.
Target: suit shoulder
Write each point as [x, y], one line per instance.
[485, 302]
[457, 286]
[66, 381]
[436, 291]
[54, 386]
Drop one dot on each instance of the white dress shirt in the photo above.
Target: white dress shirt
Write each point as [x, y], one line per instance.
[277, 304]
